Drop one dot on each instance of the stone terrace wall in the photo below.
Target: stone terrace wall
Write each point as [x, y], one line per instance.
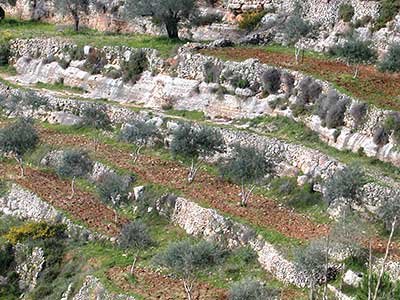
[192, 66]
[188, 91]
[207, 223]
[292, 159]
[25, 205]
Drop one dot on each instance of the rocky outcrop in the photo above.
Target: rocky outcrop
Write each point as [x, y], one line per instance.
[291, 159]
[25, 205]
[30, 262]
[189, 91]
[93, 289]
[208, 224]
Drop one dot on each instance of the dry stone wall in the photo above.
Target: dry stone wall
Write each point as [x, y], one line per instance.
[207, 223]
[25, 205]
[189, 91]
[291, 159]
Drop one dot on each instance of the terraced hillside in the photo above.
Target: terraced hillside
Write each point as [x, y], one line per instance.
[136, 166]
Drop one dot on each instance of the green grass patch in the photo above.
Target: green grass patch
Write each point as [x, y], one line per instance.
[59, 87]
[187, 114]
[13, 28]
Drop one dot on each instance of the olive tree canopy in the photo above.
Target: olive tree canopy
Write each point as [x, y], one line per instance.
[168, 12]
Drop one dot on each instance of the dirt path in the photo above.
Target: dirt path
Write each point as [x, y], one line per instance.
[382, 89]
[208, 189]
[84, 206]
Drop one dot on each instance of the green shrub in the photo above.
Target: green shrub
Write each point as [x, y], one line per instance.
[95, 116]
[250, 289]
[207, 19]
[392, 124]
[113, 189]
[389, 9]
[271, 80]
[250, 20]
[346, 183]
[391, 61]
[135, 235]
[387, 288]
[95, 62]
[381, 137]
[134, 67]
[35, 231]
[346, 12]
[4, 53]
[212, 72]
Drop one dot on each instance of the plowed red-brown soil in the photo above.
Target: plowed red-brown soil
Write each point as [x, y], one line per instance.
[208, 189]
[155, 286]
[84, 206]
[382, 89]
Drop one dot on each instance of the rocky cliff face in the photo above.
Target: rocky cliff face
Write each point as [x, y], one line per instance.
[189, 91]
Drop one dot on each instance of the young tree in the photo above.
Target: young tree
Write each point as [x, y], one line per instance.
[17, 139]
[168, 12]
[140, 133]
[135, 236]
[249, 289]
[114, 190]
[346, 183]
[75, 163]
[75, 8]
[246, 166]
[390, 214]
[312, 261]
[391, 61]
[185, 259]
[296, 29]
[356, 52]
[195, 143]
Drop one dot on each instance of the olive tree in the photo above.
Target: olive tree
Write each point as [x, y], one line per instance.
[141, 133]
[195, 143]
[391, 61]
[167, 12]
[135, 236]
[246, 166]
[346, 183]
[186, 259]
[312, 260]
[74, 8]
[356, 52]
[113, 189]
[296, 29]
[17, 139]
[95, 117]
[74, 163]
[249, 289]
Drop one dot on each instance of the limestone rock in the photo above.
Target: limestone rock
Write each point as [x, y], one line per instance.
[64, 118]
[352, 278]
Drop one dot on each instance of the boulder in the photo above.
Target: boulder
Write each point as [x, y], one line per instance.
[352, 278]
[63, 118]
[138, 191]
